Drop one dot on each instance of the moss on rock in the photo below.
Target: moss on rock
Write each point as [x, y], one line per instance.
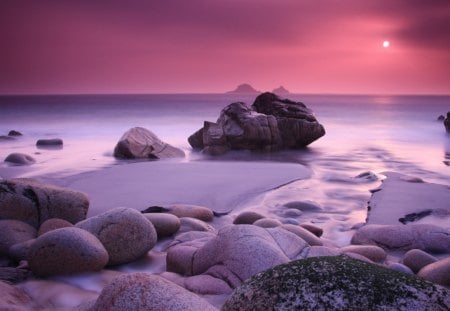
[336, 283]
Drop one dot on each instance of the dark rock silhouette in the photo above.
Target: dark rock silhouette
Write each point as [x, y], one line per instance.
[447, 122]
[244, 88]
[271, 123]
[281, 91]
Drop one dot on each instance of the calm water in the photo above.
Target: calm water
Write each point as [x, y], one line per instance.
[363, 132]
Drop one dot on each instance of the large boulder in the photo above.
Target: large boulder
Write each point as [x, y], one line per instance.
[145, 291]
[437, 272]
[238, 252]
[336, 283]
[140, 143]
[405, 237]
[66, 251]
[271, 123]
[126, 234]
[34, 202]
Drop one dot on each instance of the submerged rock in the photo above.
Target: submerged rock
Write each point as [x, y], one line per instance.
[34, 202]
[58, 142]
[336, 283]
[271, 123]
[20, 159]
[140, 143]
[145, 291]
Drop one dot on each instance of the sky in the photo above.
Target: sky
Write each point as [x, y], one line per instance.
[211, 46]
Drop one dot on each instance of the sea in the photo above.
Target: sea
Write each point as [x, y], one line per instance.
[366, 135]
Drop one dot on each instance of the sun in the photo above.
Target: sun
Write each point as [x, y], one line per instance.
[386, 44]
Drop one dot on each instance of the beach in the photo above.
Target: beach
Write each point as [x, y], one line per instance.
[379, 154]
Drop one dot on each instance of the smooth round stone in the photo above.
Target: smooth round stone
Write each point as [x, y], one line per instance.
[304, 206]
[49, 142]
[193, 211]
[52, 224]
[437, 272]
[247, 218]
[310, 238]
[126, 234]
[292, 212]
[207, 285]
[313, 229]
[13, 232]
[144, 291]
[322, 251]
[20, 159]
[66, 251]
[267, 223]
[416, 259]
[374, 253]
[165, 224]
[192, 224]
[19, 251]
[400, 268]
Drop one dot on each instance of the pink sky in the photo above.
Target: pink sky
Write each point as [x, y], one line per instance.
[308, 46]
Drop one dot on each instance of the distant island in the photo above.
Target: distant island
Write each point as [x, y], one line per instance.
[281, 91]
[244, 88]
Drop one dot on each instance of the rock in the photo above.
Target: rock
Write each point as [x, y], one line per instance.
[447, 122]
[267, 223]
[240, 251]
[310, 238]
[126, 234]
[19, 251]
[416, 259]
[292, 212]
[336, 283]
[271, 123]
[400, 267]
[193, 224]
[57, 142]
[13, 298]
[184, 210]
[52, 224]
[281, 91]
[207, 285]
[405, 237]
[244, 88]
[440, 118]
[374, 253]
[140, 143]
[358, 257]
[13, 232]
[247, 217]
[304, 206]
[6, 138]
[66, 251]
[165, 224]
[320, 251]
[34, 202]
[14, 133]
[313, 229]
[437, 272]
[144, 291]
[20, 159]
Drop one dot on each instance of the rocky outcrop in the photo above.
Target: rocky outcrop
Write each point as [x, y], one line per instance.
[244, 89]
[447, 122]
[144, 291]
[336, 283]
[34, 202]
[405, 237]
[66, 251]
[126, 234]
[271, 123]
[20, 159]
[140, 143]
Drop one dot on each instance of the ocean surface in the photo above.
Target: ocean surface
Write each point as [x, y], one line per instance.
[363, 134]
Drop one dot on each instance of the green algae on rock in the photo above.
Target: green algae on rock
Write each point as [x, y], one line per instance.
[336, 283]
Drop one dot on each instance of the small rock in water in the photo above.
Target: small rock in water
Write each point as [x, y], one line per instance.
[267, 223]
[14, 133]
[6, 138]
[193, 211]
[304, 206]
[165, 224]
[58, 142]
[441, 118]
[415, 216]
[20, 159]
[368, 176]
